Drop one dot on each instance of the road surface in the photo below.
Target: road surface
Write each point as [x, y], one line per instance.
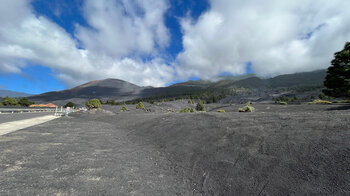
[22, 116]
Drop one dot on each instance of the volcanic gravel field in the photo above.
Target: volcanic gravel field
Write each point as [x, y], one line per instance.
[276, 150]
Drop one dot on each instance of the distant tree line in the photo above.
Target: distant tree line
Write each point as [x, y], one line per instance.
[8, 101]
[296, 99]
[206, 96]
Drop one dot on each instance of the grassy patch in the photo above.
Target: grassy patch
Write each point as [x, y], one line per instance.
[221, 111]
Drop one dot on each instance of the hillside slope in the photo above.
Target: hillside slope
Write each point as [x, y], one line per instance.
[101, 89]
[4, 93]
[114, 89]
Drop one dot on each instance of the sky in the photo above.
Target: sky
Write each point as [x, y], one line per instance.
[51, 45]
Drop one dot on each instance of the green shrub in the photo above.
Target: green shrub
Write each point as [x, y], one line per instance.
[247, 108]
[283, 103]
[190, 101]
[70, 104]
[140, 106]
[123, 109]
[93, 103]
[9, 102]
[221, 111]
[200, 106]
[25, 102]
[1, 104]
[186, 110]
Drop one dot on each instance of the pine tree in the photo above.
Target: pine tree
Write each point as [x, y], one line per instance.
[338, 75]
[200, 106]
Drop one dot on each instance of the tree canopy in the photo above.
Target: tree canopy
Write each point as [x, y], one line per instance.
[337, 81]
[25, 102]
[93, 103]
[70, 104]
[10, 102]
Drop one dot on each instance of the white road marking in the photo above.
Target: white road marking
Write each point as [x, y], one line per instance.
[9, 127]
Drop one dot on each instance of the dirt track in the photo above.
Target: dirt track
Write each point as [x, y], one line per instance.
[277, 150]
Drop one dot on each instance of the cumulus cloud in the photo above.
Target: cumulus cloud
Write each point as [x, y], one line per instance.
[278, 37]
[123, 27]
[26, 37]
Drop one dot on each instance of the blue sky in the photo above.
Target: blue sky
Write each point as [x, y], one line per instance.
[58, 44]
[36, 79]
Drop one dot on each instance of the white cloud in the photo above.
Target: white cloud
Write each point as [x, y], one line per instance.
[276, 36]
[124, 27]
[270, 34]
[25, 37]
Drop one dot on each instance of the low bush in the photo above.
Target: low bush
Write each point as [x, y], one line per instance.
[93, 104]
[247, 108]
[140, 106]
[283, 103]
[190, 101]
[186, 110]
[221, 111]
[200, 106]
[319, 101]
[123, 109]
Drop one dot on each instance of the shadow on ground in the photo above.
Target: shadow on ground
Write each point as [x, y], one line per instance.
[342, 107]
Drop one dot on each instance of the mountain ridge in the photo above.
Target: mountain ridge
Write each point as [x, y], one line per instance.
[4, 93]
[116, 89]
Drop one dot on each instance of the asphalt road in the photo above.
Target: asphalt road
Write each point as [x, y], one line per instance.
[22, 116]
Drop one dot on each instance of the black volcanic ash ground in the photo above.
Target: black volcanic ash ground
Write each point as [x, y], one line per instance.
[277, 150]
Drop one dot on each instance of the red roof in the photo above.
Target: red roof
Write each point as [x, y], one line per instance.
[49, 105]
